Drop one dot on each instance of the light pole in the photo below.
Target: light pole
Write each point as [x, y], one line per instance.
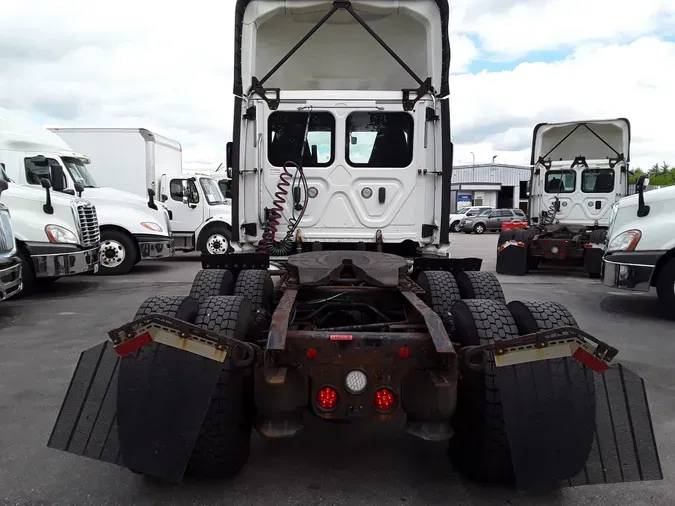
[474, 159]
[493, 159]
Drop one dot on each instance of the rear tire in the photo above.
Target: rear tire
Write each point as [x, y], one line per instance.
[441, 290]
[479, 285]
[223, 445]
[212, 282]
[257, 286]
[567, 388]
[480, 447]
[455, 227]
[665, 289]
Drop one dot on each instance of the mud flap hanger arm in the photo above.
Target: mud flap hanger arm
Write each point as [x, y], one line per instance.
[474, 358]
[258, 85]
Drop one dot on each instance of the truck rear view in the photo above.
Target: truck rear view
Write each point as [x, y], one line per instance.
[351, 330]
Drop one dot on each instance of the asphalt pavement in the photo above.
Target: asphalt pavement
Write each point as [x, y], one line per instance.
[42, 336]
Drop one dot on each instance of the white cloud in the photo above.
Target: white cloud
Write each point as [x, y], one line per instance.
[168, 67]
[633, 81]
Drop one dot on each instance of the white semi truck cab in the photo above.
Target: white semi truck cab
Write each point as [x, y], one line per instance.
[323, 159]
[580, 169]
[56, 235]
[10, 263]
[135, 160]
[132, 228]
[640, 247]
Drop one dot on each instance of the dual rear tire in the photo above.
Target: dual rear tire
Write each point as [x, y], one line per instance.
[480, 448]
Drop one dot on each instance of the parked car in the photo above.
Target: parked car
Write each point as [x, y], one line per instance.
[456, 218]
[491, 220]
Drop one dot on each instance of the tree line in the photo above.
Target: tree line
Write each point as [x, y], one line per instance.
[659, 174]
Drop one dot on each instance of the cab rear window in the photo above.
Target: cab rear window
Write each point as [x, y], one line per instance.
[286, 137]
[379, 139]
[560, 181]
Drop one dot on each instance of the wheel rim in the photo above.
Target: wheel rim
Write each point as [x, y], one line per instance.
[217, 244]
[112, 253]
[479, 229]
[456, 227]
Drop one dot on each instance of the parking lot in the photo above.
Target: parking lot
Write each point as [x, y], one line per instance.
[42, 336]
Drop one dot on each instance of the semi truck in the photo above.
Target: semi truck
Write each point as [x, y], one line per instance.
[639, 253]
[10, 264]
[55, 235]
[344, 179]
[135, 159]
[580, 169]
[131, 228]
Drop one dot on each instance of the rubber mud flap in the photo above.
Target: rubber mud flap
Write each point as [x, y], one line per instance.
[162, 397]
[552, 446]
[86, 424]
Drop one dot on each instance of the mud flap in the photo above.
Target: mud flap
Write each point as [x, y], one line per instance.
[568, 431]
[143, 411]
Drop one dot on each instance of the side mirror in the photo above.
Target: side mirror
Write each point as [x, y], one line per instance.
[228, 155]
[79, 188]
[151, 199]
[642, 182]
[164, 197]
[3, 185]
[47, 207]
[353, 139]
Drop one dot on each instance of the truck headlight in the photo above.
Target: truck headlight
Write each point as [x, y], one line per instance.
[58, 234]
[625, 241]
[151, 225]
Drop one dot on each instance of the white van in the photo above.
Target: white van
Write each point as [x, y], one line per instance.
[640, 250]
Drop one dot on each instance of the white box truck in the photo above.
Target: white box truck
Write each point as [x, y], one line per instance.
[135, 159]
[131, 228]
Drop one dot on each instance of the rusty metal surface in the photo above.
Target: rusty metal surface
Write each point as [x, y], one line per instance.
[276, 340]
[434, 324]
[219, 341]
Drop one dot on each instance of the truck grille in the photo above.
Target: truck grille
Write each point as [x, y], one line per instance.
[89, 231]
[6, 232]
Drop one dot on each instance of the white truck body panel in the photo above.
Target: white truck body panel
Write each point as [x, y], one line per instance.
[657, 228]
[342, 72]
[135, 159]
[587, 192]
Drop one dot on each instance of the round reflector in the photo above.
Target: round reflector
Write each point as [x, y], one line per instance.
[384, 399]
[356, 382]
[327, 398]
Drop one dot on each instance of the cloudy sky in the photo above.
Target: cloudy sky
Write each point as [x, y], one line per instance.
[167, 66]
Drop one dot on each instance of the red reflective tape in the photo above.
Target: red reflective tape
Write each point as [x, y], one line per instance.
[589, 360]
[133, 344]
[340, 337]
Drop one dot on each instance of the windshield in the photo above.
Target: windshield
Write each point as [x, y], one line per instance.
[3, 174]
[211, 190]
[485, 212]
[78, 171]
[462, 211]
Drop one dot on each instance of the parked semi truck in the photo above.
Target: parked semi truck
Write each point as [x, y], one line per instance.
[640, 249]
[135, 159]
[55, 235]
[131, 228]
[10, 264]
[580, 169]
[347, 176]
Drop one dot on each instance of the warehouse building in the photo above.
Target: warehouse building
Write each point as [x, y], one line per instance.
[493, 184]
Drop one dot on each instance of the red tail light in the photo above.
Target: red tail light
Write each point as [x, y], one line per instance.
[404, 352]
[384, 399]
[327, 398]
[311, 353]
